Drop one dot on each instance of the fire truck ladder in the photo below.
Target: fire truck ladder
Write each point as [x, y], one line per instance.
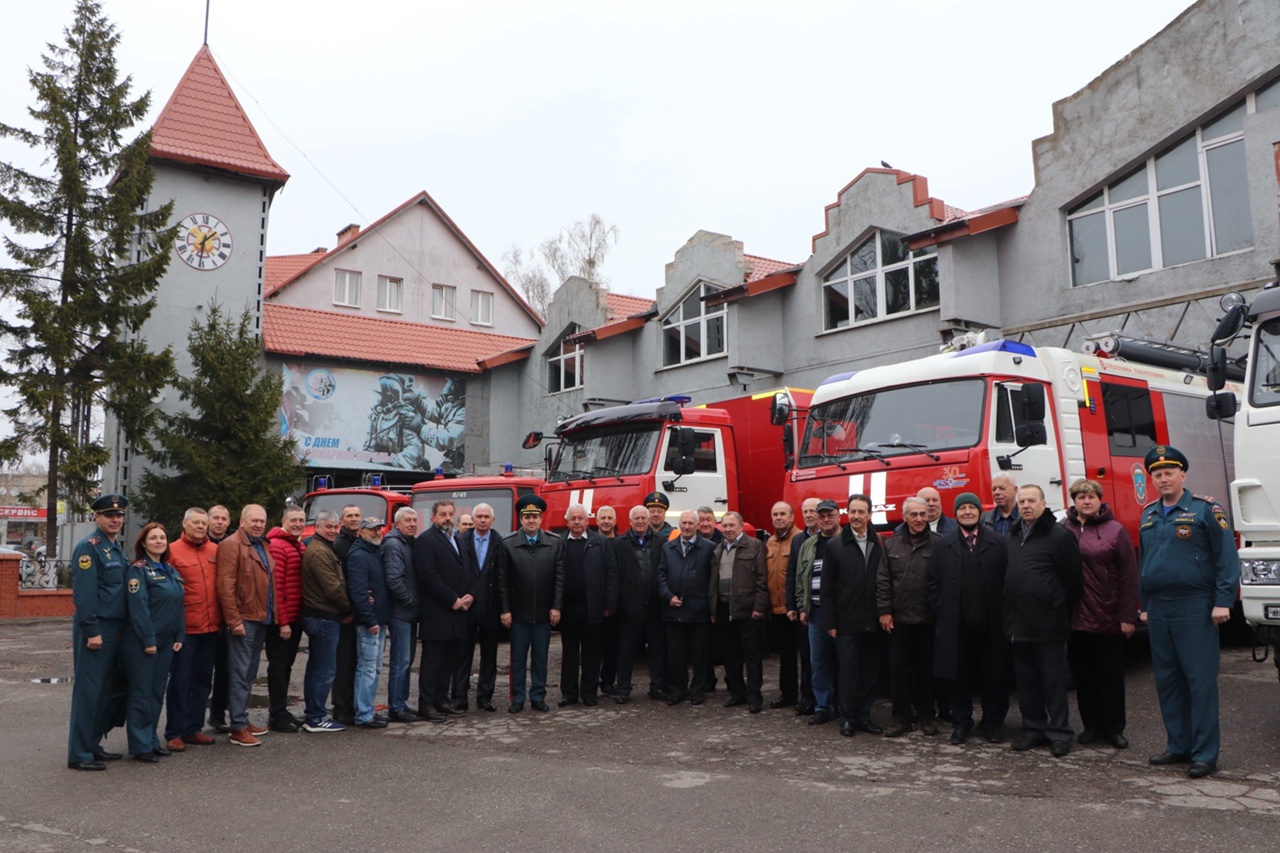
[1155, 353]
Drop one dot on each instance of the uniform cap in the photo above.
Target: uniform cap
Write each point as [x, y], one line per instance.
[1163, 456]
[657, 499]
[531, 505]
[110, 505]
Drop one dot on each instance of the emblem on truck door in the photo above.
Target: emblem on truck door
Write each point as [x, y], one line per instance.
[1139, 483]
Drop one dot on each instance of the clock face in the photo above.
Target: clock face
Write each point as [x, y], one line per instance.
[204, 242]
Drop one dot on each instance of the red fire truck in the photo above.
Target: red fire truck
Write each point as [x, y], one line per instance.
[499, 492]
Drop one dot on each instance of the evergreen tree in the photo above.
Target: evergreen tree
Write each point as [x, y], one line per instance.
[226, 446]
[87, 257]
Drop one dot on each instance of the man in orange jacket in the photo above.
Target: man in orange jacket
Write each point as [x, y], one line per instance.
[191, 673]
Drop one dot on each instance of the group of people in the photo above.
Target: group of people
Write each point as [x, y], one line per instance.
[962, 602]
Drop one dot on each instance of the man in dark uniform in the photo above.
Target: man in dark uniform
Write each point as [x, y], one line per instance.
[1189, 574]
[657, 503]
[531, 592]
[99, 597]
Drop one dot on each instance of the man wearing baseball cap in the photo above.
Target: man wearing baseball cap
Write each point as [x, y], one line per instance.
[1189, 572]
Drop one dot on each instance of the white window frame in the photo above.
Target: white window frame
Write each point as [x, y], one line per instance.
[482, 307]
[841, 273]
[569, 361]
[705, 318]
[444, 302]
[390, 294]
[346, 288]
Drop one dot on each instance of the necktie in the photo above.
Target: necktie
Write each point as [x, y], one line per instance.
[971, 539]
[532, 540]
[684, 548]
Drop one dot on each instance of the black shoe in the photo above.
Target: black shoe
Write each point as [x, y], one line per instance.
[784, 702]
[755, 709]
[405, 716]
[283, 724]
[674, 700]
[1200, 769]
[345, 719]
[515, 707]
[161, 751]
[297, 720]
[1169, 758]
[1117, 740]
[847, 728]
[219, 724]
[461, 707]
[1029, 741]
[622, 698]
[539, 705]
[733, 702]
[658, 695]
[1088, 736]
[993, 733]
[147, 758]
[820, 717]
[566, 702]
[431, 715]
[447, 710]
[86, 765]
[1059, 748]
[696, 701]
[590, 703]
[107, 756]
[868, 727]
[373, 723]
[486, 705]
[608, 690]
[382, 717]
[960, 734]
[804, 710]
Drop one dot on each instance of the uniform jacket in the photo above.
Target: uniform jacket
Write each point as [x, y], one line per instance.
[243, 581]
[154, 601]
[902, 579]
[484, 581]
[749, 583]
[531, 579]
[1110, 571]
[198, 565]
[367, 585]
[849, 584]
[945, 589]
[777, 555]
[688, 577]
[324, 583]
[600, 570]
[444, 575]
[1042, 582]
[97, 587]
[286, 553]
[1188, 553]
[402, 584]
[638, 576]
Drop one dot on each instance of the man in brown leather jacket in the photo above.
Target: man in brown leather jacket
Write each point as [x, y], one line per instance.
[247, 596]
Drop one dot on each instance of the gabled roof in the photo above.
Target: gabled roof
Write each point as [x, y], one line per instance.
[920, 197]
[203, 124]
[306, 332]
[280, 268]
[625, 313]
[289, 273]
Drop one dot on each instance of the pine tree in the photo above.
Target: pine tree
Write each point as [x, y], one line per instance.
[226, 446]
[87, 258]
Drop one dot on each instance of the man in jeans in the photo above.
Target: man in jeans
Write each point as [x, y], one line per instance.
[325, 607]
[246, 592]
[367, 587]
[402, 586]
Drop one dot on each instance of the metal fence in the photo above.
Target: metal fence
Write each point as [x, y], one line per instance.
[46, 574]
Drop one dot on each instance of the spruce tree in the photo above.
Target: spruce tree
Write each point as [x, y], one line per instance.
[87, 255]
[226, 446]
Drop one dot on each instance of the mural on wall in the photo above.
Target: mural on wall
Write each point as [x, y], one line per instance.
[348, 418]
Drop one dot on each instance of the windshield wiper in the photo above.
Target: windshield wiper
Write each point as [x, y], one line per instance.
[607, 471]
[910, 446]
[576, 474]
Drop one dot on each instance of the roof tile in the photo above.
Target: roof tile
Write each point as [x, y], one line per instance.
[764, 267]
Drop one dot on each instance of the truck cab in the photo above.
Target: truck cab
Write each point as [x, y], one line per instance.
[499, 492]
[377, 502]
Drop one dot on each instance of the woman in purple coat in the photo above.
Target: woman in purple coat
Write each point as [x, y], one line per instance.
[1108, 613]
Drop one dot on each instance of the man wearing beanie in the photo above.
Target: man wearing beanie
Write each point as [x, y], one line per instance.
[966, 591]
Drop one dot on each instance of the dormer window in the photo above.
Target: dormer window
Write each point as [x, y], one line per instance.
[879, 278]
[693, 330]
[564, 365]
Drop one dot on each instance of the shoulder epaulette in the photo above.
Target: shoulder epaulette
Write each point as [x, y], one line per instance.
[1148, 506]
[95, 539]
[1206, 499]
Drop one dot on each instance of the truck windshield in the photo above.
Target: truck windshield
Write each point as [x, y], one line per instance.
[375, 505]
[611, 451]
[895, 421]
[1264, 390]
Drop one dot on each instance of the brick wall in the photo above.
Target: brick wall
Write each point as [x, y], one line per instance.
[29, 603]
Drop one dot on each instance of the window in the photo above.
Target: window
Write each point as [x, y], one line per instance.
[443, 298]
[1186, 204]
[693, 330]
[619, 450]
[879, 278]
[564, 367]
[482, 307]
[1264, 386]
[704, 453]
[390, 293]
[346, 287]
[1131, 425]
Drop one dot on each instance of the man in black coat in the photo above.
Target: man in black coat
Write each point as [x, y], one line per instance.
[344, 678]
[444, 576]
[483, 545]
[639, 609]
[530, 591]
[1042, 586]
[966, 594]
[848, 612]
[590, 594]
[684, 588]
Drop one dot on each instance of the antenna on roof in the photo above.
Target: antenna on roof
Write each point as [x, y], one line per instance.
[206, 21]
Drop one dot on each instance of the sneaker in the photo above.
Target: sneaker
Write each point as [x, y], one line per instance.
[242, 737]
[325, 725]
[257, 731]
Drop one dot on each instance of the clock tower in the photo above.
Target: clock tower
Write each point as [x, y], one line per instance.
[211, 162]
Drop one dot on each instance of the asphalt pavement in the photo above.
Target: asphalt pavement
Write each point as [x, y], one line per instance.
[641, 776]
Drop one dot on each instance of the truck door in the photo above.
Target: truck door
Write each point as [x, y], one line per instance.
[1131, 432]
[707, 485]
[1039, 465]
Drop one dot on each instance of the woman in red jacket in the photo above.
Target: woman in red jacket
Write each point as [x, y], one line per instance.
[285, 544]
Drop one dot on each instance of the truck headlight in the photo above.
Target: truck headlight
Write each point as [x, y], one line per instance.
[1260, 571]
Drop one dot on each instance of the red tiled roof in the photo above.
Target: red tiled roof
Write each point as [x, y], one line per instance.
[204, 124]
[764, 267]
[621, 307]
[303, 332]
[280, 268]
[967, 223]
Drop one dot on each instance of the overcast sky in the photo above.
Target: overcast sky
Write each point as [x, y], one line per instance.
[744, 117]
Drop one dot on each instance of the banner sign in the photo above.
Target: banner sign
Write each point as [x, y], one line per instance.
[28, 513]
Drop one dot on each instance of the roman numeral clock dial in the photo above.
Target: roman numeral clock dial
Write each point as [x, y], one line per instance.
[204, 242]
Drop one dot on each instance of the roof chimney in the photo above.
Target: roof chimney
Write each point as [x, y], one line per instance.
[348, 233]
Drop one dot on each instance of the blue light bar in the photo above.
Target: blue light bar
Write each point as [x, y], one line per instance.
[839, 377]
[1011, 347]
[375, 481]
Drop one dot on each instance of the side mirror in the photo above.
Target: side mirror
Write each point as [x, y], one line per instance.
[1215, 372]
[1232, 322]
[780, 410]
[1031, 435]
[1220, 406]
[1033, 407]
[687, 444]
[531, 440]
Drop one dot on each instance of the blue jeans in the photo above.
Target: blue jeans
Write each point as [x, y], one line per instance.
[527, 640]
[243, 656]
[322, 663]
[368, 664]
[822, 656]
[403, 642]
